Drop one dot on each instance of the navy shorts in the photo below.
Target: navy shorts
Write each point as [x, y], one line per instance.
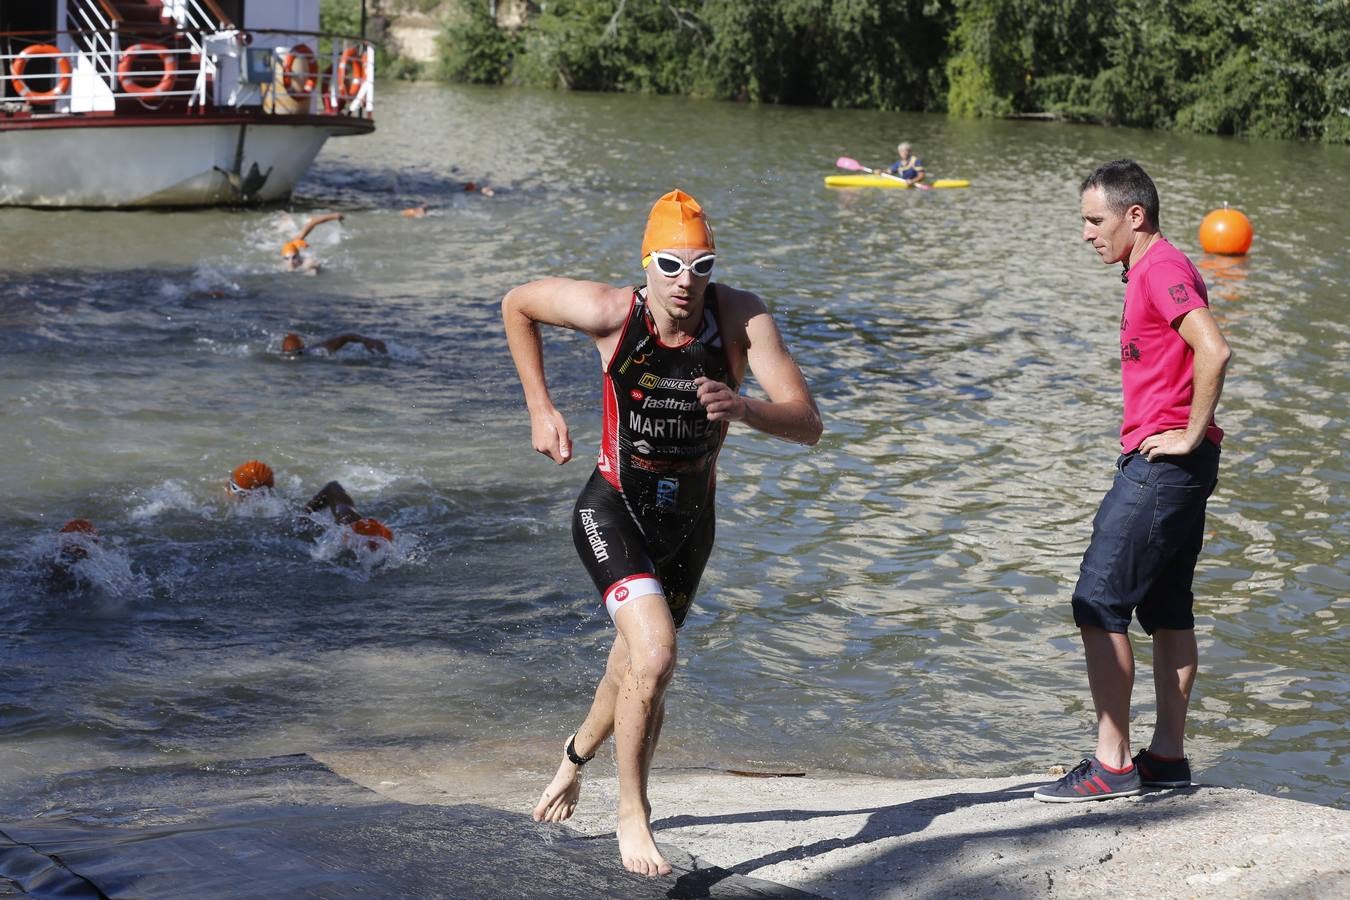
[1145, 541]
[621, 557]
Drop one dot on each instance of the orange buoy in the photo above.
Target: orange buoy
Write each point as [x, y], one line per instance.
[1226, 232]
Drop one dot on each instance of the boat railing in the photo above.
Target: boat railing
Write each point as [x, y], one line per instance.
[100, 24]
[194, 21]
[113, 66]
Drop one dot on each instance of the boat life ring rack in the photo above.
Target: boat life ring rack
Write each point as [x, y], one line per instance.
[127, 76]
[351, 73]
[311, 74]
[62, 74]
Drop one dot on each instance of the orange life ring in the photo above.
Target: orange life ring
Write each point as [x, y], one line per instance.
[300, 51]
[349, 83]
[47, 51]
[126, 75]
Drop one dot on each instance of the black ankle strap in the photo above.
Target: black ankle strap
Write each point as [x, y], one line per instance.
[572, 753]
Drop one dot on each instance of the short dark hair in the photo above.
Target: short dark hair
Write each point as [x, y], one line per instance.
[1124, 183]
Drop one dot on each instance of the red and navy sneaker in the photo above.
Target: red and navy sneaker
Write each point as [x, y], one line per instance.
[1162, 771]
[1092, 780]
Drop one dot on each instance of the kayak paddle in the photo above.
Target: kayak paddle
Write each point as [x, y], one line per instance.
[852, 165]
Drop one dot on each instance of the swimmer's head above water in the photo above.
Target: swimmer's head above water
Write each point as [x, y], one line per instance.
[290, 251]
[250, 478]
[76, 534]
[374, 531]
[292, 344]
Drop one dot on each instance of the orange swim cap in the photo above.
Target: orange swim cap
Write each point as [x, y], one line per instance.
[71, 549]
[372, 528]
[292, 343]
[251, 476]
[290, 248]
[676, 222]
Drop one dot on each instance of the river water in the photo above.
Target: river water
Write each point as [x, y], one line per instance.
[892, 601]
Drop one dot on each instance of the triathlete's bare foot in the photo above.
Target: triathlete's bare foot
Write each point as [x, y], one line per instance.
[560, 797]
[638, 847]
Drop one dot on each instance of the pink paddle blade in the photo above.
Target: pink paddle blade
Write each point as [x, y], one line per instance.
[847, 162]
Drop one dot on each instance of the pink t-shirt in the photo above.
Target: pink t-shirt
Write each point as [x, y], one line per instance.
[1156, 365]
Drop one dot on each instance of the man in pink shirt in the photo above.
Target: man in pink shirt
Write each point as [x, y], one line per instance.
[1148, 531]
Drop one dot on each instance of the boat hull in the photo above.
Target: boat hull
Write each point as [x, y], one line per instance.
[191, 162]
[886, 181]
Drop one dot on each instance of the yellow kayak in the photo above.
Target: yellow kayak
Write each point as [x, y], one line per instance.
[886, 181]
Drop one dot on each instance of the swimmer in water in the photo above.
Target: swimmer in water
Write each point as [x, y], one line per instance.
[76, 536]
[251, 479]
[293, 345]
[334, 498]
[255, 478]
[420, 210]
[291, 250]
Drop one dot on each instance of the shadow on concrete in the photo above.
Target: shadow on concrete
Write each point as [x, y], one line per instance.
[973, 860]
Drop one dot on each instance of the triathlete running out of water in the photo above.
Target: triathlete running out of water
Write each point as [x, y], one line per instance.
[673, 353]
[291, 251]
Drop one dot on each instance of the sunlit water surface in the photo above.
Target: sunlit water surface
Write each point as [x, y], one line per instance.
[892, 601]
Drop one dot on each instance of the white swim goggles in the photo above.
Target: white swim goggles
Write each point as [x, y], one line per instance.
[672, 266]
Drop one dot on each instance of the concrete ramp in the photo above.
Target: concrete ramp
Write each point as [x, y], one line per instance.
[290, 827]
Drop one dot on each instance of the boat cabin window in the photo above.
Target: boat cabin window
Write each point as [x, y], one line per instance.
[28, 17]
[233, 10]
[40, 17]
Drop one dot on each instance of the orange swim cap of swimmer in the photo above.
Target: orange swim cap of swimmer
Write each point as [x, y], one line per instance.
[290, 248]
[70, 546]
[372, 528]
[676, 222]
[251, 476]
[292, 343]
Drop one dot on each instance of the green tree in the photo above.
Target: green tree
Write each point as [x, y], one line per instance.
[652, 46]
[473, 49]
[340, 16]
[1276, 68]
[1303, 57]
[1266, 68]
[830, 52]
[343, 17]
[1163, 54]
[1013, 56]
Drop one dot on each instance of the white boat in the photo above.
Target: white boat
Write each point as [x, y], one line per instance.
[134, 103]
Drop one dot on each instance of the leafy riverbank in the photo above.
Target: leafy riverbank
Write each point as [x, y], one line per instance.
[1260, 68]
